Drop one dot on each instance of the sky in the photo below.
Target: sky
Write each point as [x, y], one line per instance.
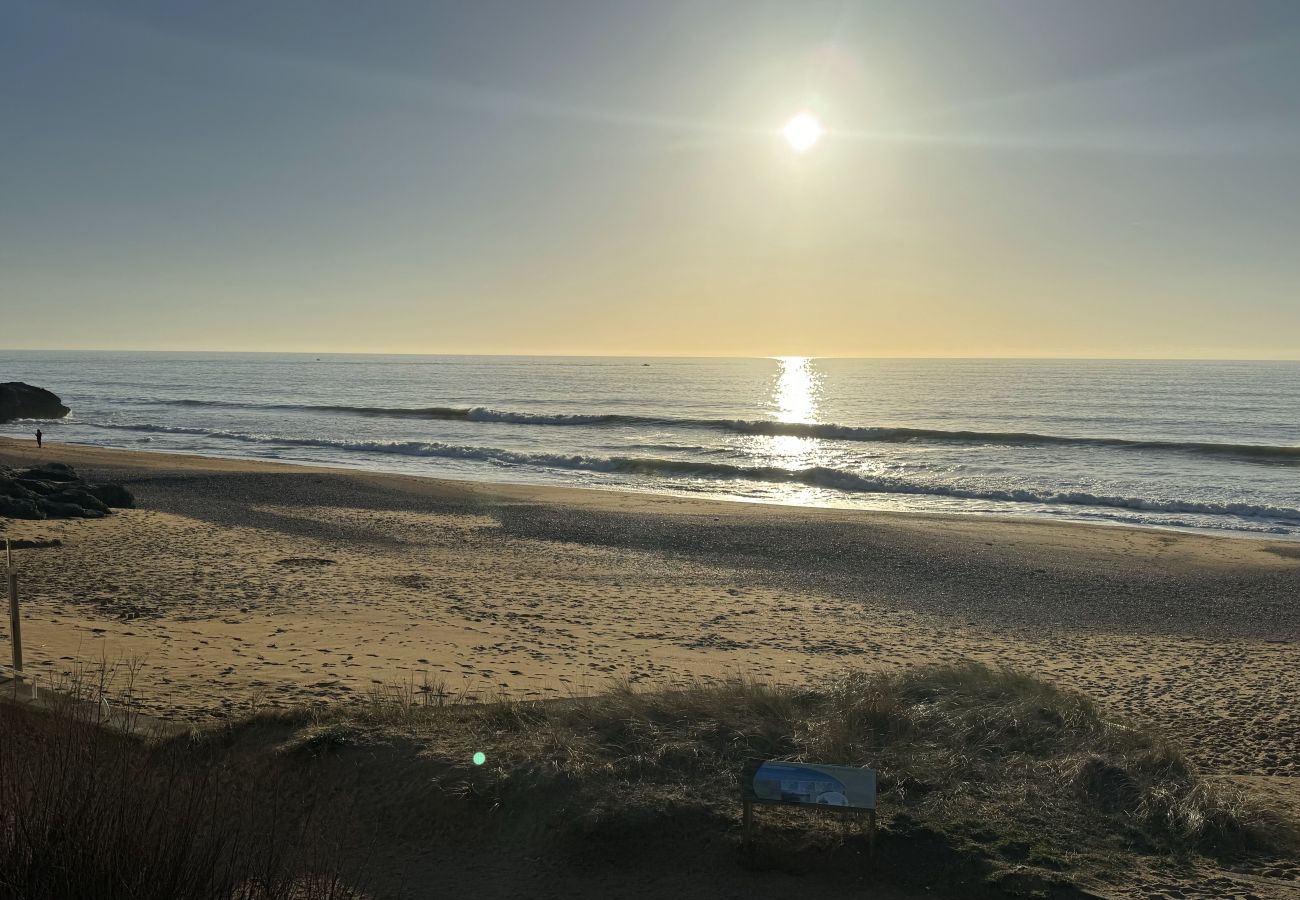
[1110, 178]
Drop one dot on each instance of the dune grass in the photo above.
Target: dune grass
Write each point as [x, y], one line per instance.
[950, 743]
[981, 771]
[89, 808]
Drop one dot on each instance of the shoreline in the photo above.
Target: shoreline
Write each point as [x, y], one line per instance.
[240, 583]
[571, 493]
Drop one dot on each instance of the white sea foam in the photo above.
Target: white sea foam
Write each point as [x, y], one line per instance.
[816, 476]
[1277, 454]
[1200, 445]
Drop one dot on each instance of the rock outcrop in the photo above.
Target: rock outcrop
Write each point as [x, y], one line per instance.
[54, 491]
[24, 401]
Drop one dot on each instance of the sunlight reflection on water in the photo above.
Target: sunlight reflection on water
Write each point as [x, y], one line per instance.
[796, 397]
[797, 393]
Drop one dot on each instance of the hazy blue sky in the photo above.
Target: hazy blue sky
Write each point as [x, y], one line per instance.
[998, 178]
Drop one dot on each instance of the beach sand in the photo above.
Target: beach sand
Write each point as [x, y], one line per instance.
[239, 584]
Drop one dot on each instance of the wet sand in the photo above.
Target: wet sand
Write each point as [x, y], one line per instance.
[237, 584]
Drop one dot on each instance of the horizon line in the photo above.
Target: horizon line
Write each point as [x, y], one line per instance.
[558, 355]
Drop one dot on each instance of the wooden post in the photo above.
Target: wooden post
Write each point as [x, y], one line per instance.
[15, 622]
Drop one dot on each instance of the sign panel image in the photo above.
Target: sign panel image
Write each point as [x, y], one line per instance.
[815, 785]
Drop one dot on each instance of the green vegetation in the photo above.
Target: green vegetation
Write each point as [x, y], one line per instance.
[991, 782]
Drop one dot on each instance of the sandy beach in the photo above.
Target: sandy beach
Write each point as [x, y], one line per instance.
[238, 584]
[589, 450]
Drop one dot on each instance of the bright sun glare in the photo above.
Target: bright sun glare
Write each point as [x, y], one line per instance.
[802, 132]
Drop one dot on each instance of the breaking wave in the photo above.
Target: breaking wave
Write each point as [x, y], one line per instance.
[815, 476]
[1258, 453]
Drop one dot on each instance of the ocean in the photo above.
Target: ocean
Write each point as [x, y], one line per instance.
[1192, 445]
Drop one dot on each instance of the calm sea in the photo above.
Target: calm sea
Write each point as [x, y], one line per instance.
[1203, 445]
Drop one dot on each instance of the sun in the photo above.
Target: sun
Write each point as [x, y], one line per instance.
[802, 132]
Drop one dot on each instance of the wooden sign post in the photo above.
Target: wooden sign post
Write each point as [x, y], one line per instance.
[15, 621]
[842, 789]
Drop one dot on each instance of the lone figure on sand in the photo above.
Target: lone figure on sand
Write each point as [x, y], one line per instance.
[38, 438]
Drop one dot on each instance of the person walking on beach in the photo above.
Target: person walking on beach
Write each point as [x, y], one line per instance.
[38, 438]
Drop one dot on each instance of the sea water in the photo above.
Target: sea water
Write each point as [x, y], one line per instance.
[1201, 445]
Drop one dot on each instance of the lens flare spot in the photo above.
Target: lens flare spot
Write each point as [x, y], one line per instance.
[479, 758]
[802, 132]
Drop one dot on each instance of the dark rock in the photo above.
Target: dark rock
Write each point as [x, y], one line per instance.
[25, 401]
[112, 495]
[18, 508]
[78, 498]
[53, 490]
[13, 487]
[61, 510]
[50, 471]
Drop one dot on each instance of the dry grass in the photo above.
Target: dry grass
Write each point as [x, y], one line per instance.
[991, 759]
[90, 809]
[980, 770]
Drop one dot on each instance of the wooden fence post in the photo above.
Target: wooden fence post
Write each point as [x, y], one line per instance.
[15, 621]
